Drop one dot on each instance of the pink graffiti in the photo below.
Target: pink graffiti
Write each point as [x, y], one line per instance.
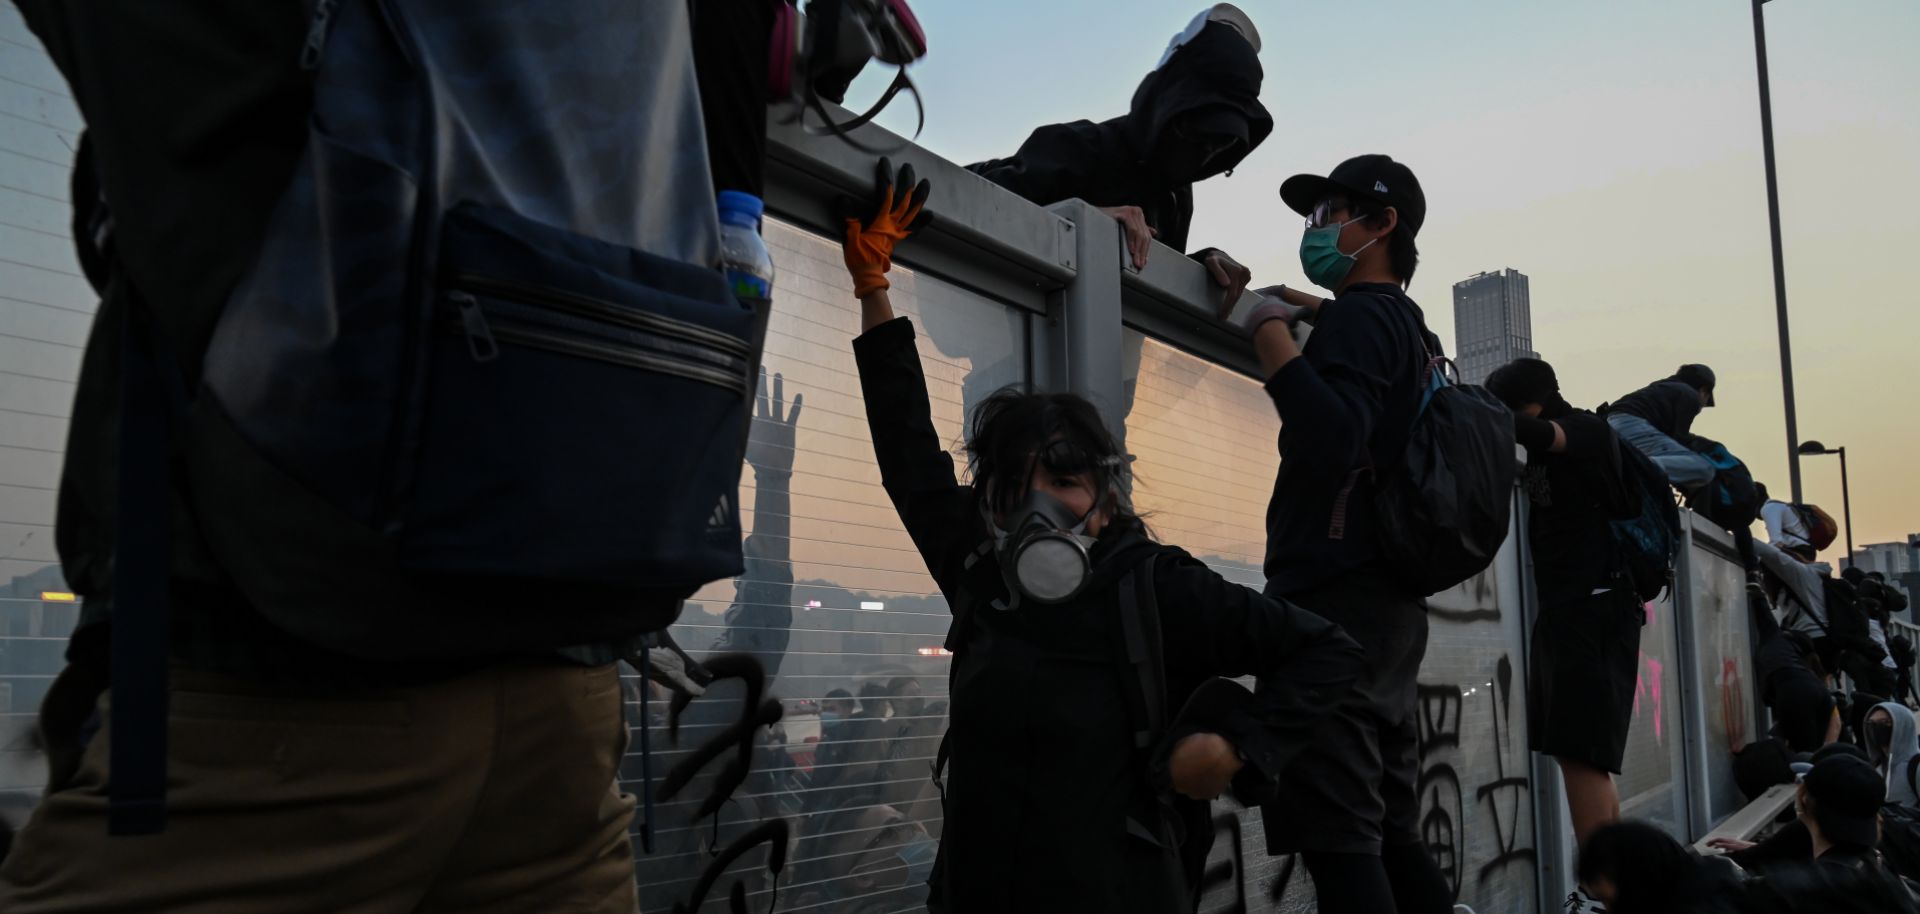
[1651, 668]
[1733, 704]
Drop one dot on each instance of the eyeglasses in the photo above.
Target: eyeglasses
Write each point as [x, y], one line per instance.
[1323, 211]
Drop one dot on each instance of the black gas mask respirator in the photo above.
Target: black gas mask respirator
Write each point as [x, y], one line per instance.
[1042, 551]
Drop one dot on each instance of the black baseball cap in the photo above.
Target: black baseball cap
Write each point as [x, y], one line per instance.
[1374, 177]
[1847, 794]
[1699, 377]
[1523, 380]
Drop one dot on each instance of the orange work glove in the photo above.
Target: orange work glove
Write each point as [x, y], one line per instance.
[869, 247]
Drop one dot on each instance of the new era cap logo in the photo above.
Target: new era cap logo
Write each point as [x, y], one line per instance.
[1379, 187]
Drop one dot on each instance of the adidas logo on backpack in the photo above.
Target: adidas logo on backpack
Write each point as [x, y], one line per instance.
[722, 517]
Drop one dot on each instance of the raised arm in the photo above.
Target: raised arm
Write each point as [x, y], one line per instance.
[915, 469]
[761, 618]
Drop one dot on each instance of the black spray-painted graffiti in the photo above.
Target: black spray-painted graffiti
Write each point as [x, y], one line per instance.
[1231, 872]
[1442, 799]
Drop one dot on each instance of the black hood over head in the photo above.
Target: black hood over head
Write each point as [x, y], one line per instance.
[1210, 85]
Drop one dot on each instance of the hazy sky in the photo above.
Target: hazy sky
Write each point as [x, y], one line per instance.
[1611, 151]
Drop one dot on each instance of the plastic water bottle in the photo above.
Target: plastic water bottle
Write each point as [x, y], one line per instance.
[743, 255]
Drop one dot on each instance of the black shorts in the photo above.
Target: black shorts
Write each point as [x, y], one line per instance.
[1357, 781]
[1586, 654]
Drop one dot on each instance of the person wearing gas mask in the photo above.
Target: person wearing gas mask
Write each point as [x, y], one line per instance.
[1197, 115]
[1346, 405]
[1063, 793]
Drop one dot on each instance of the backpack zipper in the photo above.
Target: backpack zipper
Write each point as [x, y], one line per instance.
[591, 308]
[480, 341]
[485, 333]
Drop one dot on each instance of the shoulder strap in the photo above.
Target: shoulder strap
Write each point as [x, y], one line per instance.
[152, 396]
[1140, 628]
[1913, 766]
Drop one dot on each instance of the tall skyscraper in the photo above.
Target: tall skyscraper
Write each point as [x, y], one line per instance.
[1492, 323]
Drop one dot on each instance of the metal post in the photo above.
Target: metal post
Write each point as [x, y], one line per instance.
[1846, 504]
[1086, 340]
[1779, 267]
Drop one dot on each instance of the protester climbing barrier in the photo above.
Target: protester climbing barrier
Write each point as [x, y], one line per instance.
[836, 605]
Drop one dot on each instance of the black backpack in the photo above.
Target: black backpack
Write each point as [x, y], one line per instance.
[1845, 618]
[1649, 540]
[1443, 510]
[482, 391]
[1731, 499]
[1900, 836]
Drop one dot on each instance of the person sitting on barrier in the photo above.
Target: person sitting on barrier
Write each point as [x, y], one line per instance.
[1658, 419]
[1586, 642]
[1198, 114]
[1062, 785]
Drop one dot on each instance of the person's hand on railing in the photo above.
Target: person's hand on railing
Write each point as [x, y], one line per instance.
[1139, 235]
[1228, 274]
[875, 226]
[1729, 845]
[1297, 298]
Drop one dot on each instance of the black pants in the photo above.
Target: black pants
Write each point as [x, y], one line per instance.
[1357, 783]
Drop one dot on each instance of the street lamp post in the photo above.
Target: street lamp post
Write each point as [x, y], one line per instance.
[1779, 268]
[1815, 448]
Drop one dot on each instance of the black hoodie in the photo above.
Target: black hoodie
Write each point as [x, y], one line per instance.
[1668, 405]
[1044, 779]
[1212, 81]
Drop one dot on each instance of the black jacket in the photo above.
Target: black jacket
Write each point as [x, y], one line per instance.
[1216, 76]
[1668, 406]
[1043, 777]
[1347, 404]
[1574, 496]
[1787, 654]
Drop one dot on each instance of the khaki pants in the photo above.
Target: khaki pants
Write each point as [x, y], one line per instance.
[493, 792]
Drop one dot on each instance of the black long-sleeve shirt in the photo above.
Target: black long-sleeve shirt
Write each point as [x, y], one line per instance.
[1574, 494]
[1044, 773]
[1348, 403]
[1669, 406]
